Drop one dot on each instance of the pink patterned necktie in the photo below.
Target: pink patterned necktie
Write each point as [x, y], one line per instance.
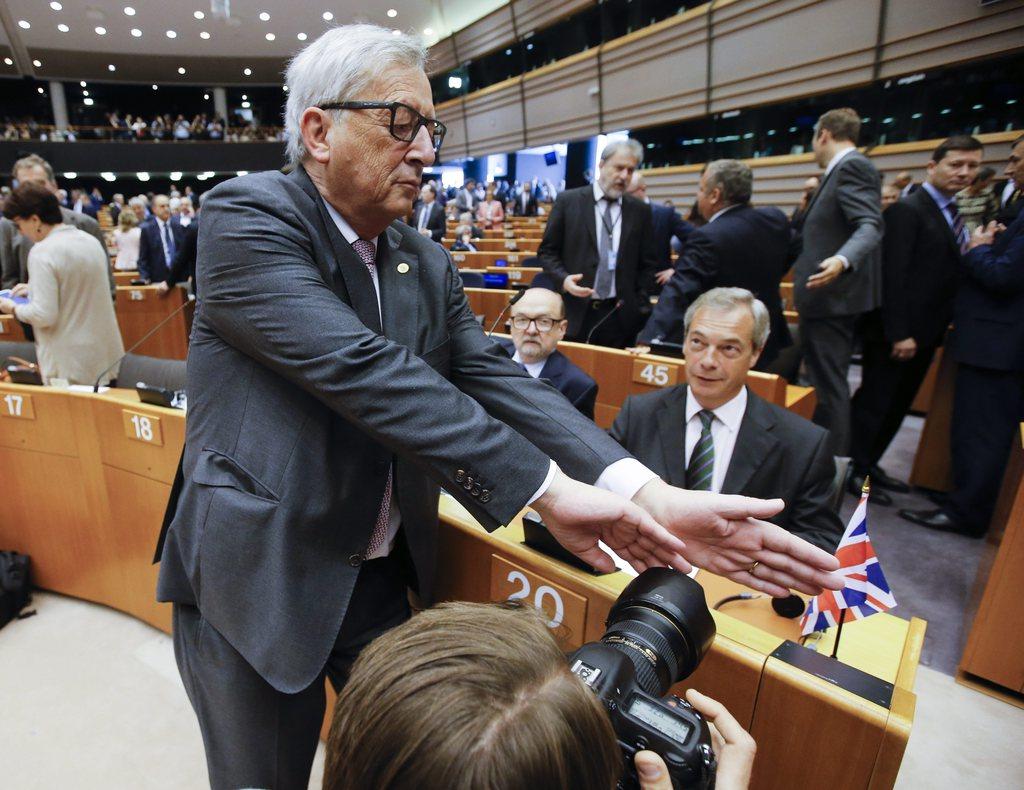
[367, 252]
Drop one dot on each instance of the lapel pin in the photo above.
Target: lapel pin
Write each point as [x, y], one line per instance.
[403, 267]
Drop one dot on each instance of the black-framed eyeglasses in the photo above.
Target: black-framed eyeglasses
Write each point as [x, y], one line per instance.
[544, 323]
[405, 121]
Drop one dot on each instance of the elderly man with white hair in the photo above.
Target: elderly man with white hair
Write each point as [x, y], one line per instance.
[337, 376]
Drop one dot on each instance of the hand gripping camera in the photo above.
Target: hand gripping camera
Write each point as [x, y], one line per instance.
[657, 633]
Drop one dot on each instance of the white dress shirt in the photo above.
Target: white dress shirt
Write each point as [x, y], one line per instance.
[533, 368]
[1008, 190]
[616, 219]
[624, 477]
[724, 429]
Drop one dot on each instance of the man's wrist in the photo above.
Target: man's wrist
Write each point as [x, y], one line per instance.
[625, 477]
[845, 261]
[544, 486]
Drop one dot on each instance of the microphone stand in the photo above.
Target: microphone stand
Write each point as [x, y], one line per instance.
[611, 312]
[507, 307]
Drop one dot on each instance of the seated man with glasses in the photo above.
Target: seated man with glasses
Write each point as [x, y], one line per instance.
[538, 323]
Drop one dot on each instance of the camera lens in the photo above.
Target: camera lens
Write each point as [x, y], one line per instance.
[662, 623]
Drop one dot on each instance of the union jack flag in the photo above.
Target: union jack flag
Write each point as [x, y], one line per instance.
[866, 591]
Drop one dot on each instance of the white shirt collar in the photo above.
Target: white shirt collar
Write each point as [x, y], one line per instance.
[345, 229]
[730, 413]
[838, 157]
[720, 212]
[533, 368]
[941, 200]
[599, 193]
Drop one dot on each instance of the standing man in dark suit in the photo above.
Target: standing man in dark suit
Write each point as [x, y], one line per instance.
[161, 236]
[336, 377]
[525, 204]
[924, 239]
[837, 276]
[666, 224]
[428, 216]
[740, 246]
[598, 246]
[538, 324]
[987, 343]
[713, 434]
[183, 268]
[1011, 196]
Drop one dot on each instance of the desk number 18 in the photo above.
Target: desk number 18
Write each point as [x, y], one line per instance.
[143, 427]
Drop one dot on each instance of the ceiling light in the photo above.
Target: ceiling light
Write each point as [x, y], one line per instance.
[154, 87]
[454, 82]
[37, 63]
[108, 176]
[206, 97]
[244, 97]
[70, 174]
[328, 16]
[264, 16]
[8, 62]
[301, 36]
[129, 11]
[39, 90]
[82, 83]
[176, 175]
[136, 32]
[85, 93]
[111, 67]
[56, 6]
[204, 35]
[171, 34]
[23, 24]
[181, 70]
[271, 36]
[247, 71]
[87, 102]
[242, 173]
[101, 31]
[392, 13]
[428, 31]
[63, 28]
[198, 14]
[246, 105]
[142, 176]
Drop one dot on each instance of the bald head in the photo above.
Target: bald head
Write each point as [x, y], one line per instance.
[540, 316]
[540, 299]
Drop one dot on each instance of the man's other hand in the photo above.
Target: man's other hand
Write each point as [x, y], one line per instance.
[579, 516]
[733, 745]
[902, 350]
[163, 288]
[828, 270]
[723, 534]
[664, 276]
[572, 287]
[986, 234]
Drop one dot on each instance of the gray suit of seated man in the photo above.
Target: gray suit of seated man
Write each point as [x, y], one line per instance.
[714, 434]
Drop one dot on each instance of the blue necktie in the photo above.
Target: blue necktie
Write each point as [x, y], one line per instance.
[168, 243]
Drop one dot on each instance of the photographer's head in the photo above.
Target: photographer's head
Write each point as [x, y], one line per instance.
[465, 696]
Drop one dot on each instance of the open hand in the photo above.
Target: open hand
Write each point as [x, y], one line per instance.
[828, 270]
[664, 276]
[722, 533]
[572, 287]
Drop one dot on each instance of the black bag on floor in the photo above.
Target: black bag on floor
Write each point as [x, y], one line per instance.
[15, 586]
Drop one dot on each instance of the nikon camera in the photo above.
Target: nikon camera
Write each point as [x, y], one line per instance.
[657, 633]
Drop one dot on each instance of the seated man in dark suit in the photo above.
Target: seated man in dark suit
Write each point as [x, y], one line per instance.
[739, 247]
[538, 324]
[712, 434]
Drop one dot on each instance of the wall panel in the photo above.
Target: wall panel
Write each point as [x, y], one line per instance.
[656, 75]
[534, 15]
[441, 57]
[450, 114]
[485, 35]
[561, 100]
[494, 119]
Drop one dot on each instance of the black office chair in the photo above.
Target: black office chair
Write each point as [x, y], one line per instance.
[472, 280]
[21, 349]
[543, 280]
[166, 373]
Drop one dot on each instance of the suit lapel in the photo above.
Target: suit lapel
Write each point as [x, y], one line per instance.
[398, 275]
[672, 436]
[554, 368]
[938, 217]
[753, 444]
[587, 199]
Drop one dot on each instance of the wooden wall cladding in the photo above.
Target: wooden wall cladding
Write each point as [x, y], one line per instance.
[562, 102]
[494, 117]
[455, 141]
[485, 35]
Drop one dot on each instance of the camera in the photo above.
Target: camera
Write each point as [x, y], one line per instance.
[656, 634]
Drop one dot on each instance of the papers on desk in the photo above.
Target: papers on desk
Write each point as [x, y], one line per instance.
[628, 569]
[6, 294]
[85, 388]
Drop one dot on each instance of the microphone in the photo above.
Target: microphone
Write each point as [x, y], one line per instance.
[791, 606]
[611, 312]
[139, 342]
[507, 307]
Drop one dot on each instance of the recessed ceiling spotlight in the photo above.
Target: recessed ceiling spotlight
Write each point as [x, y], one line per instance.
[87, 102]
[284, 88]
[23, 24]
[264, 16]
[246, 105]
[129, 11]
[171, 34]
[428, 31]
[271, 36]
[204, 35]
[181, 70]
[71, 174]
[247, 71]
[301, 36]
[37, 63]
[101, 31]
[8, 62]
[244, 97]
[241, 173]
[175, 175]
[82, 84]
[328, 16]
[154, 87]
[136, 32]
[39, 90]
[206, 97]
[111, 67]
[142, 176]
[56, 6]
[106, 175]
[198, 14]
[392, 13]
[63, 28]
[85, 93]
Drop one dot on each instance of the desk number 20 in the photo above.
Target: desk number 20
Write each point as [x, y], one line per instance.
[544, 591]
[655, 374]
[143, 427]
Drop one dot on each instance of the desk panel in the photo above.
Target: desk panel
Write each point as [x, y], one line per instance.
[140, 308]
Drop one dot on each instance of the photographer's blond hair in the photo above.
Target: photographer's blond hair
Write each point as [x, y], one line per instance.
[467, 696]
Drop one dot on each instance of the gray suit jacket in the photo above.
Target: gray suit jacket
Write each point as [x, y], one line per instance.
[14, 248]
[777, 454]
[844, 218]
[299, 404]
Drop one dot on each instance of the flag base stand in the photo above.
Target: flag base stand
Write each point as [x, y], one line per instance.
[838, 674]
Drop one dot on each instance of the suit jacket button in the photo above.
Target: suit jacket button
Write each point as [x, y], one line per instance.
[468, 484]
[355, 560]
[460, 475]
[485, 496]
[476, 489]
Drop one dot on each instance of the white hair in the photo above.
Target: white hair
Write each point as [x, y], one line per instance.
[727, 300]
[338, 66]
[630, 145]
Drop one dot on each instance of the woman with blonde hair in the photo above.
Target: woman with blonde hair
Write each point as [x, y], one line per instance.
[126, 238]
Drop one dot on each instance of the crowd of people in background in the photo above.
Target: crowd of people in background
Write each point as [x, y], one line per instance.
[136, 127]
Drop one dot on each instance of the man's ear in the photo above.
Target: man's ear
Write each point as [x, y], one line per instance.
[314, 126]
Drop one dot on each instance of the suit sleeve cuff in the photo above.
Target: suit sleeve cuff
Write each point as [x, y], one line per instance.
[846, 262]
[545, 485]
[625, 477]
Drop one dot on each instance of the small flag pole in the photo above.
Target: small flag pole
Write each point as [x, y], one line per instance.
[866, 491]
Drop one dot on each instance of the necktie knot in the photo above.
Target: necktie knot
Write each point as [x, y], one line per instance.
[706, 418]
[366, 251]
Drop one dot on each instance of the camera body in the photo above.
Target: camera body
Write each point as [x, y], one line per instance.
[657, 632]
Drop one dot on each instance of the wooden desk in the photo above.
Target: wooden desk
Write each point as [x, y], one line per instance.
[527, 246]
[140, 308]
[488, 302]
[995, 645]
[479, 260]
[10, 330]
[125, 278]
